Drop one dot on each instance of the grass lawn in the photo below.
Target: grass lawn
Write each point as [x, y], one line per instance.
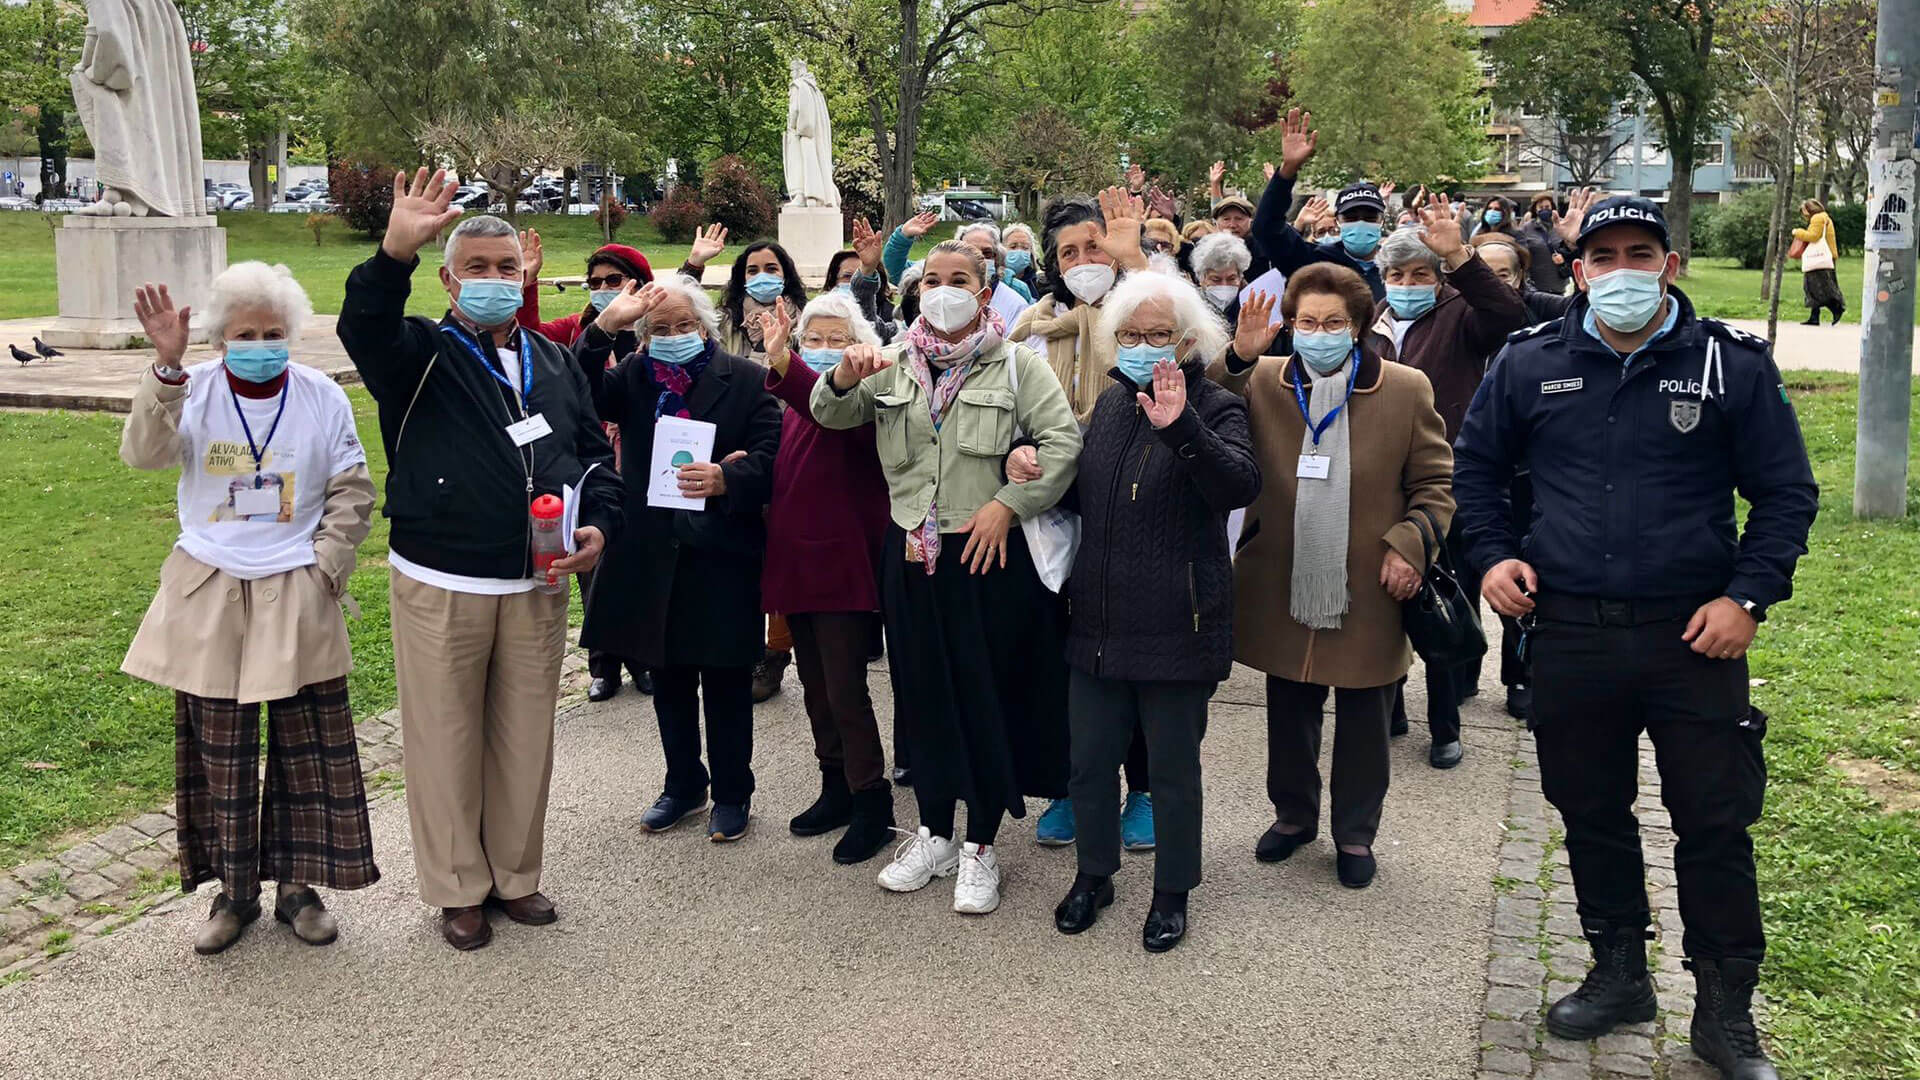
[1718, 287]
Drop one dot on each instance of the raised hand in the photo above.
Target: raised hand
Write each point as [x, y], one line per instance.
[859, 361]
[1267, 169]
[1216, 173]
[707, 243]
[1298, 141]
[421, 208]
[531, 257]
[776, 329]
[867, 244]
[1254, 332]
[1162, 203]
[1136, 178]
[1310, 215]
[1386, 191]
[916, 226]
[1169, 398]
[1124, 214]
[629, 307]
[1567, 226]
[165, 326]
[1440, 230]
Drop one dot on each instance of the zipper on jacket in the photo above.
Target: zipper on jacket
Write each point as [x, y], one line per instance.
[1106, 555]
[1145, 451]
[1193, 595]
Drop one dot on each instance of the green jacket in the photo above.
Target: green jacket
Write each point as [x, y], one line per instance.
[963, 461]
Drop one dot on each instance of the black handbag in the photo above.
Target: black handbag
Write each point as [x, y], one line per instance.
[1442, 624]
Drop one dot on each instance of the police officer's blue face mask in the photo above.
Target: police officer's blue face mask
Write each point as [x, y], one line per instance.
[1625, 299]
[256, 361]
[488, 302]
[1360, 238]
[766, 287]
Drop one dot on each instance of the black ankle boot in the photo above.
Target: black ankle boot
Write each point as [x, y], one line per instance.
[871, 828]
[1723, 1031]
[1617, 991]
[830, 811]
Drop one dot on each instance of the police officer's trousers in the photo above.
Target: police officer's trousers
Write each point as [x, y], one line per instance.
[1603, 671]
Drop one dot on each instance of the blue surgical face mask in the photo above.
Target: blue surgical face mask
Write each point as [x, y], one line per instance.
[1626, 300]
[1136, 361]
[1323, 350]
[766, 287]
[675, 348]
[1495, 217]
[845, 287]
[1018, 259]
[1411, 301]
[489, 302]
[1360, 238]
[821, 360]
[256, 361]
[600, 298]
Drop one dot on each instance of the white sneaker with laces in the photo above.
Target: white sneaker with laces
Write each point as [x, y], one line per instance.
[918, 860]
[978, 890]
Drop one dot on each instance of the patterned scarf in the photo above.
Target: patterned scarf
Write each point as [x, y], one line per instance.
[675, 380]
[941, 368]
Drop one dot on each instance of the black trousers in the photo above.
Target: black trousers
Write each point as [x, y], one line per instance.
[830, 649]
[1360, 757]
[1603, 673]
[729, 701]
[1513, 669]
[1107, 717]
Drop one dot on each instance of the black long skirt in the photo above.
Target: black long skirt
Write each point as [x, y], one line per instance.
[1822, 290]
[981, 659]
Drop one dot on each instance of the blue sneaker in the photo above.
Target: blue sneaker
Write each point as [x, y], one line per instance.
[1056, 825]
[1136, 822]
[727, 822]
[669, 811]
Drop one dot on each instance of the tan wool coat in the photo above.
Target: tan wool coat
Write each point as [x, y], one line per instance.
[1401, 460]
[216, 636]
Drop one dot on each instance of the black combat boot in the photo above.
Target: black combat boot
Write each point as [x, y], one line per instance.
[871, 828]
[1723, 1031]
[1617, 991]
[833, 809]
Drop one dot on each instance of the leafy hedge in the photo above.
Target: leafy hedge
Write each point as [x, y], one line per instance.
[363, 195]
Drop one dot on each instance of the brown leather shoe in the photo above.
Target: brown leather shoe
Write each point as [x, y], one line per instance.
[465, 928]
[533, 909]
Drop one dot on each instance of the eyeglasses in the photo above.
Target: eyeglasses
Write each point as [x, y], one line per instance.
[607, 281]
[821, 341]
[685, 326]
[1315, 326]
[1156, 338]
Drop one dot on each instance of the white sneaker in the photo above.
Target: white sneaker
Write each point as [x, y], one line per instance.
[920, 859]
[978, 890]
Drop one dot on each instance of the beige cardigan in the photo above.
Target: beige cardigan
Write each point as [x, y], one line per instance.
[213, 635]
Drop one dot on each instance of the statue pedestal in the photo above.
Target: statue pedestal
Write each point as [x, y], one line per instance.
[100, 261]
[812, 235]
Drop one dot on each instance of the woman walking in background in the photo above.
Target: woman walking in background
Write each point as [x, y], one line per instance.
[1816, 263]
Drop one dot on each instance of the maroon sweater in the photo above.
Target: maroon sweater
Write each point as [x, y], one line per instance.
[829, 510]
[1453, 342]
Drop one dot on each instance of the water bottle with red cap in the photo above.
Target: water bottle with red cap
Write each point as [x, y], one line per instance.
[548, 543]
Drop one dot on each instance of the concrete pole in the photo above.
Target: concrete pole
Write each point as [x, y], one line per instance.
[1886, 344]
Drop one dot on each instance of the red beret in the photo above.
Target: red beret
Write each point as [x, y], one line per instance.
[635, 263]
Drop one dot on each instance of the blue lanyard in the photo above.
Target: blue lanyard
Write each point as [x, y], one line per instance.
[260, 452]
[1300, 395]
[526, 365]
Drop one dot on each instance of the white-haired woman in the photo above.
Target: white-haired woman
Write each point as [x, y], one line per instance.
[975, 635]
[1220, 261]
[274, 497]
[679, 592]
[1022, 248]
[824, 527]
[1167, 456]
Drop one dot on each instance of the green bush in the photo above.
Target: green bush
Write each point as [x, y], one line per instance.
[1849, 226]
[734, 197]
[363, 195]
[1739, 228]
[678, 216]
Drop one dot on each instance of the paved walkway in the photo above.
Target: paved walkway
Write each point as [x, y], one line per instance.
[1827, 347]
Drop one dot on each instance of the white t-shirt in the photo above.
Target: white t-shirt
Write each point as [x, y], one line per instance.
[314, 441]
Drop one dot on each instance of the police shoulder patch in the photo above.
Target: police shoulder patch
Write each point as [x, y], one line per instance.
[1533, 331]
[1734, 334]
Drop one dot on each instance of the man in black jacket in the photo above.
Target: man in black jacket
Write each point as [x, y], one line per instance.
[479, 420]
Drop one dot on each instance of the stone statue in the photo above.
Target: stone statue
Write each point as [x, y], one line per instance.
[134, 89]
[808, 144]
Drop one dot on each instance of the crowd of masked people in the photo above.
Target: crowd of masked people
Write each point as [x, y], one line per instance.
[1064, 475]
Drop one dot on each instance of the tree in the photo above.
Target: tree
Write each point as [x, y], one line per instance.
[717, 88]
[1044, 151]
[507, 150]
[249, 79]
[1395, 86]
[1671, 47]
[1558, 68]
[1223, 51]
[39, 44]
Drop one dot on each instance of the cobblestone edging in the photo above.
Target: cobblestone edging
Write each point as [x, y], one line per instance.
[1539, 953]
[50, 907]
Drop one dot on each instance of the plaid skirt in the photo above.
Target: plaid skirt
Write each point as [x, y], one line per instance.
[310, 829]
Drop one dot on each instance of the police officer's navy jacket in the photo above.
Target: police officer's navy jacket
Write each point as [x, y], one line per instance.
[1635, 466]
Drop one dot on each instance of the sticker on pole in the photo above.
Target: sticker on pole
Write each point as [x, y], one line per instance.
[1890, 210]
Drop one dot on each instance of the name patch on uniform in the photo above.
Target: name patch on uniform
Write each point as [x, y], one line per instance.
[1684, 415]
[1561, 386]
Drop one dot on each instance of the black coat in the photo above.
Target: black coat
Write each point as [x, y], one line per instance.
[1151, 596]
[682, 587]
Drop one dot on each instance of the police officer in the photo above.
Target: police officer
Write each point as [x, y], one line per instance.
[1639, 422]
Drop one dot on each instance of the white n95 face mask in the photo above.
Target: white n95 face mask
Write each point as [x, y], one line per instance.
[948, 308]
[1089, 281]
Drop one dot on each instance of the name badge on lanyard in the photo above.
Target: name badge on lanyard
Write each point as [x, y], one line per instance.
[258, 501]
[1315, 465]
[533, 427]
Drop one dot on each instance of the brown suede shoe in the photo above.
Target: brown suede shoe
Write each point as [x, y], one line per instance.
[465, 928]
[533, 909]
